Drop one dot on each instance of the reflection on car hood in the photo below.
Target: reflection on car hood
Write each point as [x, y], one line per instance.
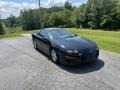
[76, 43]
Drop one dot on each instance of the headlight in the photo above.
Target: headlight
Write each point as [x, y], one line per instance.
[75, 51]
[97, 48]
[69, 51]
[72, 51]
[95, 45]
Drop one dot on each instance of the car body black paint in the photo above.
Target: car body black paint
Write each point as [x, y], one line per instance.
[88, 48]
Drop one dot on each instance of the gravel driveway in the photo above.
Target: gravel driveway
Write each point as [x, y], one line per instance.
[24, 68]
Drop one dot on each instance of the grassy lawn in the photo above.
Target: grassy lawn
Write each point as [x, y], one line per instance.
[14, 32]
[106, 40]
[9, 35]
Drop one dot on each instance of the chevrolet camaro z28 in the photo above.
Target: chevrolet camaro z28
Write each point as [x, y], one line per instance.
[65, 47]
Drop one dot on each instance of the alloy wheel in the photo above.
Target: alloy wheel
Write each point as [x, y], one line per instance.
[35, 44]
[54, 56]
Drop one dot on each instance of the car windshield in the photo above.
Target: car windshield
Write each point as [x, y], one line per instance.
[59, 34]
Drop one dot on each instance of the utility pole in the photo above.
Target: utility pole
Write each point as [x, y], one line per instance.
[40, 14]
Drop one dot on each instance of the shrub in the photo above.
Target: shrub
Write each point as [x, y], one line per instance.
[1, 29]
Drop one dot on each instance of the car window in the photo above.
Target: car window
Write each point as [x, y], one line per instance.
[42, 33]
[61, 33]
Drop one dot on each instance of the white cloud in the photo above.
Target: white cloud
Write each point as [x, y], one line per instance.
[6, 4]
[50, 3]
[14, 8]
[77, 4]
[9, 7]
[24, 5]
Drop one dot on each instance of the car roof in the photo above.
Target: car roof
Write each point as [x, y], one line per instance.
[49, 29]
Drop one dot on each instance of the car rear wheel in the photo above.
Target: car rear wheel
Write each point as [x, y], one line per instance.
[54, 56]
[35, 44]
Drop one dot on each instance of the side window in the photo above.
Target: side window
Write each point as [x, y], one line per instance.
[42, 33]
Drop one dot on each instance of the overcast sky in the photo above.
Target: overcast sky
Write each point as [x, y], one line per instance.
[8, 7]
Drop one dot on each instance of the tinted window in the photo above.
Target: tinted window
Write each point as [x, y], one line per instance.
[59, 33]
[42, 33]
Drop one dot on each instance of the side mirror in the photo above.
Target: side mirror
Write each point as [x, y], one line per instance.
[42, 37]
[45, 39]
[38, 33]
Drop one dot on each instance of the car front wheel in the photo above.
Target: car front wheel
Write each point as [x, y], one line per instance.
[54, 56]
[35, 44]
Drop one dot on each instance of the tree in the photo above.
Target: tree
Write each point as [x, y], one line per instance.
[54, 9]
[11, 21]
[84, 16]
[109, 14]
[46, 18]
[68, 6]
[56, 19]
[30, 19]
[76, 17]
[68, 18]
[95, 14]
[1, 29]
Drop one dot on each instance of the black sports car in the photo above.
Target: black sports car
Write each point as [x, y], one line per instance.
[65, 47]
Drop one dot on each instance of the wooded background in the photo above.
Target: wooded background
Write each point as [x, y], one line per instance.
[94, 14]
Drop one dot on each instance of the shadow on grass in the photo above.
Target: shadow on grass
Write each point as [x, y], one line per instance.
[81, 68]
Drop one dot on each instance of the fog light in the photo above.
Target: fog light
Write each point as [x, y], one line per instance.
[68, 57]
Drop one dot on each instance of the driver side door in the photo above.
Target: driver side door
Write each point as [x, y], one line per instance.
[43, 42]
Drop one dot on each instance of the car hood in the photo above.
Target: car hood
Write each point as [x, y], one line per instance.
[74, 43]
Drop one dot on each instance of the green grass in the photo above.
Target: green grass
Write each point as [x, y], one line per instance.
[106, 40]
[9, 35]
[14, 32]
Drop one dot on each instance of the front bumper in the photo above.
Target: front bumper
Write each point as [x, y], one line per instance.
[78, 59]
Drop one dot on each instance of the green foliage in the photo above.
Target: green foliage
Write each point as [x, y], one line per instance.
[54, 9]
[99, 14]
[55, 19]
[1, 29]
[61, 18]
[67, 18]
[30, 19]
[11, 21]
[68, 6]
[94, 14]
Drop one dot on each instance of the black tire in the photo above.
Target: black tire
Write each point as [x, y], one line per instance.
[35, 44]
[54, 56]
